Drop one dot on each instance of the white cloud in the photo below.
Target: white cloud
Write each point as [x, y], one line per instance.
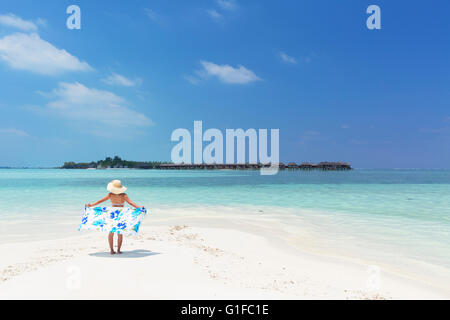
[41, 22]
[29, 52]
[293, 60]
[97, 111]
[156, 17]
[214, 14]
[287, 58]
[227, 4]
[193, 80]
[151, 14]
[118, 80]
[228, 74]
[13, 132]
[223, 7]
[13, 21]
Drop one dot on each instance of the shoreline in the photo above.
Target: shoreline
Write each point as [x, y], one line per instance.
[296, 228]
[251, 237]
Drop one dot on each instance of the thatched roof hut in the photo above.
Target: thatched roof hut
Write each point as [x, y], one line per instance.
[305, 165]
[292, 165]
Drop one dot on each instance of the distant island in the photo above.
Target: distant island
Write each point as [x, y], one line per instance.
[113, 163]
[118, 163]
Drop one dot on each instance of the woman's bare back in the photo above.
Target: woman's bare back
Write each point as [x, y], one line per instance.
[117, 199]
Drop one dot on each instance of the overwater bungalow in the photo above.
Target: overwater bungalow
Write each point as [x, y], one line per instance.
[305, 166]
[292, 165]
[251, 166]
[333, 166]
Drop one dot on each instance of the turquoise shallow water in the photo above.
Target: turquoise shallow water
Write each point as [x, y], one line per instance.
[420, 195]
[399, 212]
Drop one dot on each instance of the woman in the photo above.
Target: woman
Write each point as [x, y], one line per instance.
[117, 196]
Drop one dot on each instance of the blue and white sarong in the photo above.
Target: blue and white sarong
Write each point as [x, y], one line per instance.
[113, 219]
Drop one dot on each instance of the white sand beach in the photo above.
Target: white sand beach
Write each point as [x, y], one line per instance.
[195, 257]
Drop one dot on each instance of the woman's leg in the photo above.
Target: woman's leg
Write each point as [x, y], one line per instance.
[111, 242]
[119, 242]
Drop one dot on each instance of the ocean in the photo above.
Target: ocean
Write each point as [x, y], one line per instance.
[392, 216]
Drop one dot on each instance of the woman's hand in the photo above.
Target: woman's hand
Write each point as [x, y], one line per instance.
[88, 205]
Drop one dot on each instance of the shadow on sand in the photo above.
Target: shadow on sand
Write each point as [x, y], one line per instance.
[125, 254]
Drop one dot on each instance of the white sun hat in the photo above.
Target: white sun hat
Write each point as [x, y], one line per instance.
[116, 187]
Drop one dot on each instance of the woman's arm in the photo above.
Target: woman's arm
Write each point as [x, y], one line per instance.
[131, 202]
[97, 202]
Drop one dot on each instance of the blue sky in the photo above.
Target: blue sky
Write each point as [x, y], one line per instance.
[137, 70]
